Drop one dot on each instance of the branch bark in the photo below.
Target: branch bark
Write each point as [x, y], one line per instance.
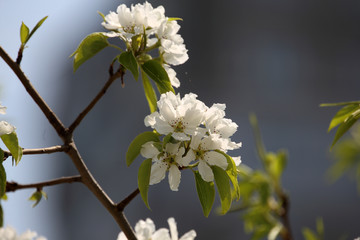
[14, 186]
[72, 151]
[47, 150]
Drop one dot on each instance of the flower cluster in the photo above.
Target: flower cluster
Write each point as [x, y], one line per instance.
[194, 134]
[144, 28]
[9, 233]
[145, 230]
[5, 127]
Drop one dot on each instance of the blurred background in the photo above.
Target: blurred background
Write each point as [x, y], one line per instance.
[279, 59]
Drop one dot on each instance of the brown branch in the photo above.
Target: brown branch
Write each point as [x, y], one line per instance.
[50, 115]
[67, 138]
[47, 150]
[14, 186]
[121, 205]
[112, 78]
[286, 233]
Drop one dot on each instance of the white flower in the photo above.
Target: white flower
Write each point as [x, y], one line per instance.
[9, 233]
[5, 127]
[172, 47]
[203, 149]
[174, 233]
[181, 117]
[172, 76]
[145, 230]
[170, 159]
[128, 22]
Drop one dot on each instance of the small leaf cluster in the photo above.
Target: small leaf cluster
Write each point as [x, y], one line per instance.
[344, 118]
[262, 197]
[37, 196]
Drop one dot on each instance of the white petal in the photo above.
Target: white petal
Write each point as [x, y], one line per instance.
[189, 235]
[6, 128]
[2, 109]
[174, 177]
[173, 229]
[161, 234]
[185, 161]
[172, 148]
[121, 236]
[148, 150]
[158, 170]
[205, 171]
[150, 120]
[237, 160]
[217, 159]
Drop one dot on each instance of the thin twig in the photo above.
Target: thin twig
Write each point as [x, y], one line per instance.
[14, 186]
[286, 234]
[50, 115]
[68, 140]
[121, 205]
[47, 150]
[112, 78]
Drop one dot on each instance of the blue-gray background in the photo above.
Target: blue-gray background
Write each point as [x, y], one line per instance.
[279, 59]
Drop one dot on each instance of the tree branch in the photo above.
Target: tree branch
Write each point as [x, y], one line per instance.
[14, 186]
[121, 205]
[67, 138]
[286, 234]
[50, 115]
[119, 74]
[47, 150]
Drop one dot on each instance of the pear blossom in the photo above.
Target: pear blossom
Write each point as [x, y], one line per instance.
[145, 230]
[5, 127]
[170, 159]
[181, 117]
[9, 233]
[203, 149]
[172, 47]
[172, 76]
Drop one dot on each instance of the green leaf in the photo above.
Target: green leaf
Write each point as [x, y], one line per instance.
[338, 104]
[342, 129]
[128, 60]
[89, 46]
[149, 92]
[320, 227]
[223, 186]
[36, 197]
[343, 114]
[37, 26]
[24, 33]
[102, 15]
[11, 142]
[309, 234]
[232, 174]
[144, 179]
[175, 19]
[157, 73]
[135, 146]
[206, 193]
[277, 163]
[2, 175]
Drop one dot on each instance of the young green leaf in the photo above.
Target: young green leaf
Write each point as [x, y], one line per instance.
[342, 129]
[206, 193]
[232, 174]
[144, 179]
[223, 186]
[157, 73]
[24, 33]
[2, 175]
[11, 142]
[101, 15]
[128, 60]
[37, 26]
[36, 197]
[343, 114]
[135, 146]
[149, 92]
[276, 164]
[89, 46]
